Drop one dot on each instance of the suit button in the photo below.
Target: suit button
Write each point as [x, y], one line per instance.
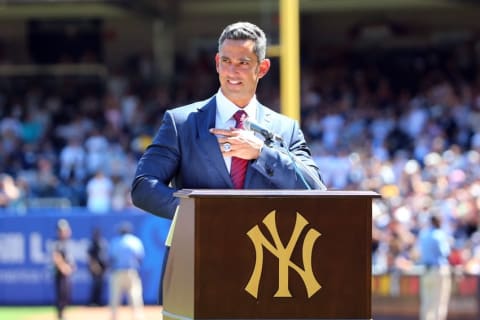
[269, 171]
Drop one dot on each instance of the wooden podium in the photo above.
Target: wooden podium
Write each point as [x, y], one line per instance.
[270, 254]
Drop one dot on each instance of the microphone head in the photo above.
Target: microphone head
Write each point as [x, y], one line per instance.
[252, 125]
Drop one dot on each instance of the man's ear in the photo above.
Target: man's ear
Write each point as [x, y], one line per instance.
[263, 68]
[217, 61]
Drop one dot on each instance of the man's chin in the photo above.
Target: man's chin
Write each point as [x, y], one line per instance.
[237, 97]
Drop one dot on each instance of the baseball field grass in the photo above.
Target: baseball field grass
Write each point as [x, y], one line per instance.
[74, 313]
[24, 312]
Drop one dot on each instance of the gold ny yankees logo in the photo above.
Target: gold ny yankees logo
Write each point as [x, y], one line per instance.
[283, 253]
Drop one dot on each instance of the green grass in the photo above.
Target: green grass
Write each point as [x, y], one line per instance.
[23, 312]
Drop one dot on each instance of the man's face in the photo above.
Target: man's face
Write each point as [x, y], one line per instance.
[239, 70]
[64, 233]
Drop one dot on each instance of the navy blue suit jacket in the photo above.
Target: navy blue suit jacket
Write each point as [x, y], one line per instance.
[185, 155]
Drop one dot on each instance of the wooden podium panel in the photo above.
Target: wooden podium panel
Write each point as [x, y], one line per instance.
[222, 235]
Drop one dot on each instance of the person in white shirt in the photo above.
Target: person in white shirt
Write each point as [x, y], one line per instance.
[99, 193]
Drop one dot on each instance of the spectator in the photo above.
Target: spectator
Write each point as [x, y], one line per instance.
[121, 198]
[434, 248]
[97, 265]
[64, 266]
[46, 181]
[9, 192]
[72, 160]
[96, 146]
[126, 253]
[99, 193]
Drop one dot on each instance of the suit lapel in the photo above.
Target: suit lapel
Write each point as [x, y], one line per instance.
[208, 142]
[264, 117]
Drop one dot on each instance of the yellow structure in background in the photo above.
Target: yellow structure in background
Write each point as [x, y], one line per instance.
[290, 58]
[289, 53]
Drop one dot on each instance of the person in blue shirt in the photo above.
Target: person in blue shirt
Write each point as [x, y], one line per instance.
[126, 253]
[435, 287]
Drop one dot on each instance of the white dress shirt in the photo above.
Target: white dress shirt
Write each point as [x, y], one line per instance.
[224, 117]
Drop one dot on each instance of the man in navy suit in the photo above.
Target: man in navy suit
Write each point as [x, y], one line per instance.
[189, 150]
[197, 145]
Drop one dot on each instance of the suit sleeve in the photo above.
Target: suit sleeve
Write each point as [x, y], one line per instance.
[151, 189]
[290, 166]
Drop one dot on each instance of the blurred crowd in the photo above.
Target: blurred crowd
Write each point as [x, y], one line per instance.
[403, 123]
[408, 128]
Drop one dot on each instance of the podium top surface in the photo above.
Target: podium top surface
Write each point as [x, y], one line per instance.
[272, 193]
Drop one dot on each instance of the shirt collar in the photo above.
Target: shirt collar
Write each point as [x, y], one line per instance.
[226, 108]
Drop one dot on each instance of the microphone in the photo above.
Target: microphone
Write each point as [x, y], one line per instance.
[269, 137]
[255, 126]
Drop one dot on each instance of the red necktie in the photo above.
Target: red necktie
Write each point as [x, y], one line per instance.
[239, 166]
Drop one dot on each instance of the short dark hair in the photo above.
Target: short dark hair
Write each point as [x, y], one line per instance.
[246, 31]
[436, 221]
[125, 227]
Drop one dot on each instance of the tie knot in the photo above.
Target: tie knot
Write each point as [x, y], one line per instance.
[239, 116]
